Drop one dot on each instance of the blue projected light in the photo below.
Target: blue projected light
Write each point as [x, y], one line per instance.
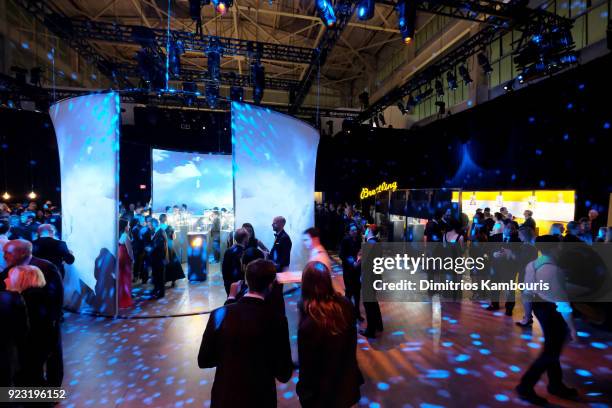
[87, 132]
[274, 168]
[202, 181]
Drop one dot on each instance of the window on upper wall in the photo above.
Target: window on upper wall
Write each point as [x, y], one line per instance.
[597, 21]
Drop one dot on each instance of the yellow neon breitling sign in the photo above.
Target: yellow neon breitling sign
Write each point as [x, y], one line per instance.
[366, 192]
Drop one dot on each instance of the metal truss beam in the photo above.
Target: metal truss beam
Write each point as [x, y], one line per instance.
[202, 76]
[56, 22]
[344, 10]
[128, 34]
[523, 21]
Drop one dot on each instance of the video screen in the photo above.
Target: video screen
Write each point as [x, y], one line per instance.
[201, 181]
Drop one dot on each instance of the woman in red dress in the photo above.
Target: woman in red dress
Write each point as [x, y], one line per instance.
[126, 259]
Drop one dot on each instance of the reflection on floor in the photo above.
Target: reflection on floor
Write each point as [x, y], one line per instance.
[185, 298]
[431, 355]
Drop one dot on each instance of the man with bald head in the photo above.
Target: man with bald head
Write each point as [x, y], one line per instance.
[280, 253]
[19, 252]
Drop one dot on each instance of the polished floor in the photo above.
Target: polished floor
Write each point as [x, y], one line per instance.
[431, 355]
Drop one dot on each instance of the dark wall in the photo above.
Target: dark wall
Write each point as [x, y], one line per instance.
[555, 134]
[28, 155]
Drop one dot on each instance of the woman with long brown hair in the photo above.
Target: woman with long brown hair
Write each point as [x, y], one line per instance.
[327, 343]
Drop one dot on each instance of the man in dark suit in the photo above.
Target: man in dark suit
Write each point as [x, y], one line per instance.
[231, 268]
[51, 249]
[158, 253]
[248, 344]
[280, 253]
[349, 250]
[19, 252]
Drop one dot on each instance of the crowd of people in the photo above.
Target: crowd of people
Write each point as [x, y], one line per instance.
[247, 340]
[32, 262]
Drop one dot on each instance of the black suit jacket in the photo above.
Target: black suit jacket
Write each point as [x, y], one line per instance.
[54, 251]
[280, 253]
[15, 321]
[249, 346]
[231, 267]
[329, 374]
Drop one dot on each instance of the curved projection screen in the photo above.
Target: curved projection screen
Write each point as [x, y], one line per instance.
[202, 181]
[274, 170]
[87, 133]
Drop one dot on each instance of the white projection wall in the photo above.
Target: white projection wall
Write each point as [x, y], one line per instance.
[274, 171]
[87, 132]
[202, 181]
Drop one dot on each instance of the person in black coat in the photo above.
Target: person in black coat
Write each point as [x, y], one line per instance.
[327, 344]
[231, 267]
[280, 253]
[349, 249]
[19, 252]
[248, 345]
[13, 315]
[49, 248]
[158, 253]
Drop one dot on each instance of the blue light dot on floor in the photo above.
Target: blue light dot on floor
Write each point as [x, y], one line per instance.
[566, 136]
[606, 125]
[461, 371]
[583, 373]
[598, 345]
[428, 405]
[526, 336]
[514, 369]
[462, 357]
[397, 333]
[374, 405]
[382, 386]
[500, 374]
[437, 374]
[594, 394]
[447, 343]
[486, 352]
[533, 345]
[288, 395]
[475, 335]
[502, 398]
[477, 343]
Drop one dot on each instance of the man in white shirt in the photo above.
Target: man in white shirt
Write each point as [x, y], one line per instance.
[312, 242]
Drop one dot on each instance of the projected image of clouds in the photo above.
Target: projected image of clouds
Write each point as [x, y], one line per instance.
[87, 133]
[202, 181]
[274, 169]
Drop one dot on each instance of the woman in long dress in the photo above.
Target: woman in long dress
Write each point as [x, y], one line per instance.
[174, 269]
[126, 259]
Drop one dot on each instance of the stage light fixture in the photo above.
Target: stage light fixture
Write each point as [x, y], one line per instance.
[465, 74]
[214, 64]
[258, 81]
[365, 9]
[381, 119]
[364, 99]
[20, 74]
[6, 196]
[483, 61]
[32, 195]
[237, 93]
[451, 78]
[212, 95]
[406, 19]
[509, 86]
[326, 12]
[176, 50]
[35, 77]
[521, 79]
[401, 107]
[221, 6]
[439, 88]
